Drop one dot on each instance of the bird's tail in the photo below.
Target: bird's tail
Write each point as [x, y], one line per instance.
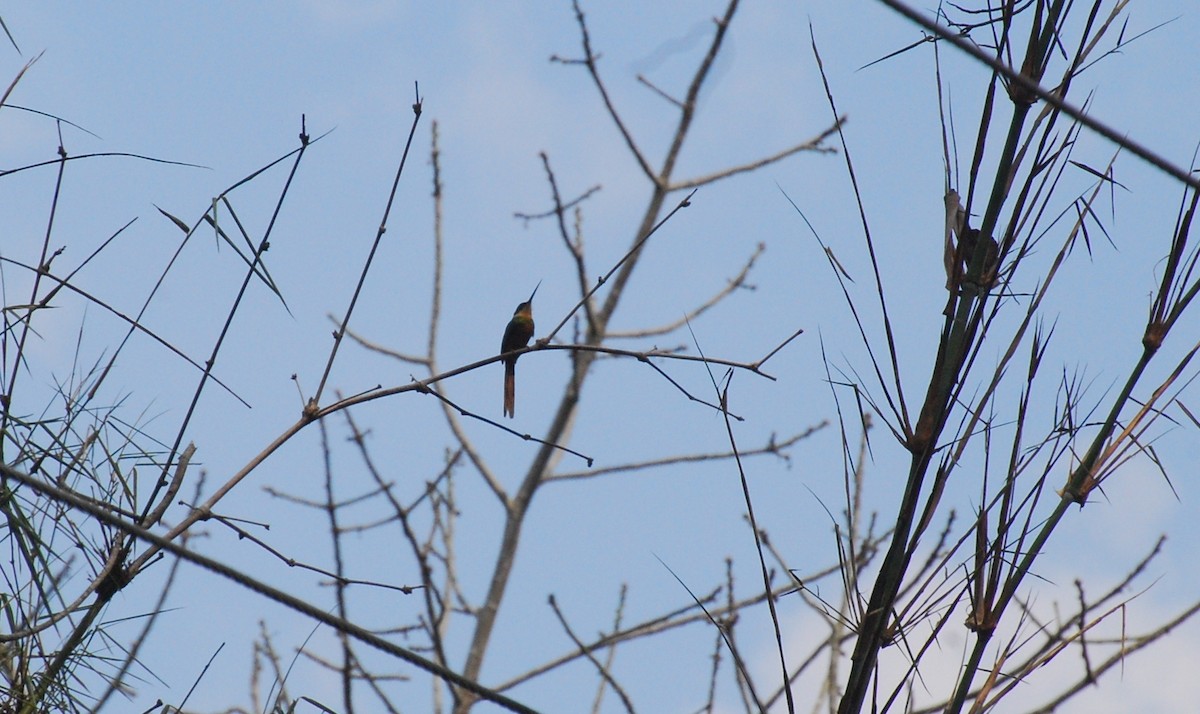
[510, 387]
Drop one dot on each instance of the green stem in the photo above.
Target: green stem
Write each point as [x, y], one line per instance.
[961, 335]
[35, 703]
[1070, 493]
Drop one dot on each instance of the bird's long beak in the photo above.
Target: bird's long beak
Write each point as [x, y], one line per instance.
[535, 287]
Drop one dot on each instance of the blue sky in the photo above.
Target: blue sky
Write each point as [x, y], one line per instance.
[223, 86]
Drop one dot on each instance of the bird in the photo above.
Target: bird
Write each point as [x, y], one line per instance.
[516, 336]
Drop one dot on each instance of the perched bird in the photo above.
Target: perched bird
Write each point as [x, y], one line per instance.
[516, 336]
